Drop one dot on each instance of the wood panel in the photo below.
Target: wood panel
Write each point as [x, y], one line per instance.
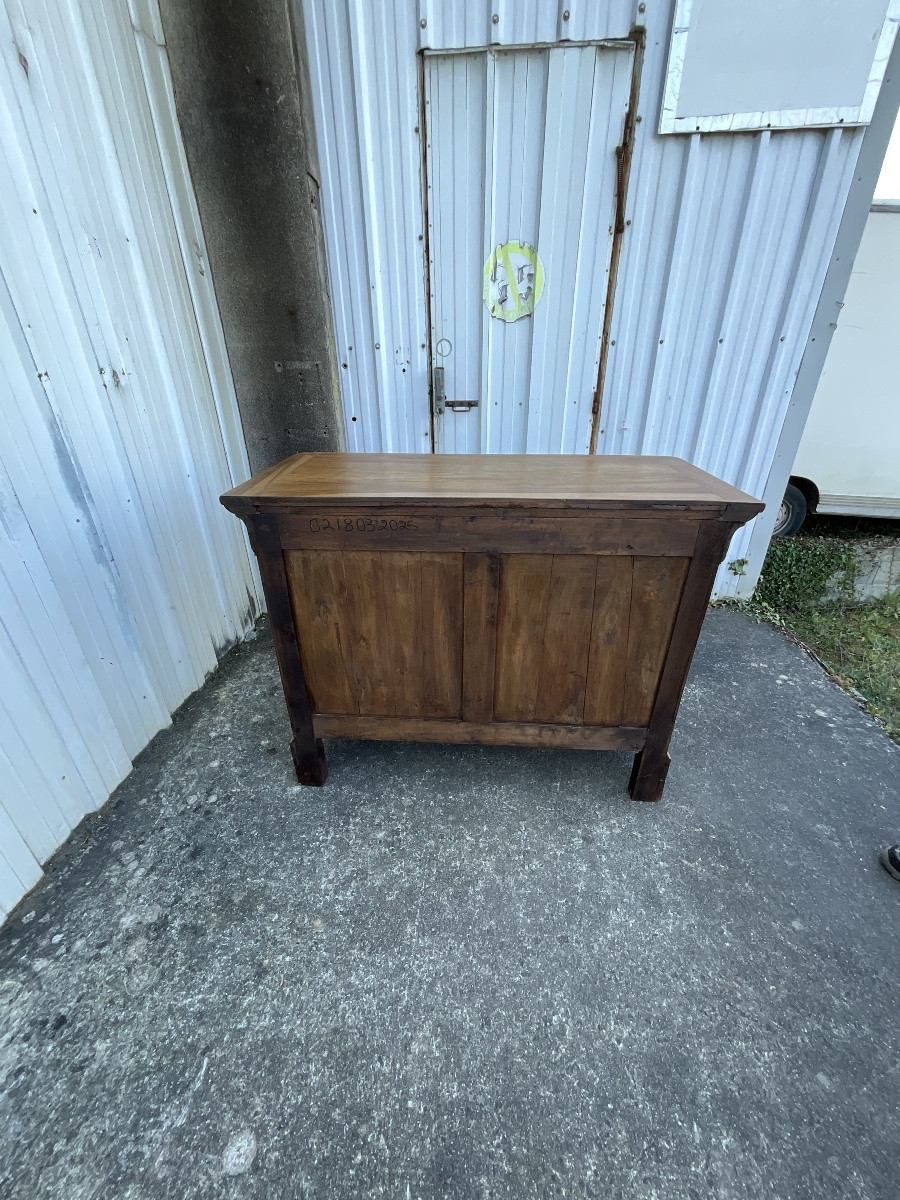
[488, 530]
[657, 584]
[319, 602]
[482, 581]
[504, 479]
[307, 752]
[566, 641]
[652, 764]
[441, 634]
[497, 733]
[380, 632]
[368, 624]
[608, 664]
[522, 612]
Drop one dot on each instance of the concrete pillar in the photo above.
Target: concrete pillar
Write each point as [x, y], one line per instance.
[243, 106]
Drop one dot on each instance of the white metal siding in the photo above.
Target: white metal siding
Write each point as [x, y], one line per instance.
[856, 465]
[721, 269]
[522, 147]
[120, 575]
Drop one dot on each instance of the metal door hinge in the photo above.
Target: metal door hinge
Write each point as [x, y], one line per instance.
[439, 395]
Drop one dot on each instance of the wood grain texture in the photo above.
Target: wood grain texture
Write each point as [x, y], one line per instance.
[488, 530]
[319, 600]
[652, 764]
[507, 479]
[307, 752]
[608, 662]
[481, 575]
[566, 640]
[440, 618]
[382, 630]
[539, 600]
[655, 594]
[522, 613]
[368, 625]
[500, 733]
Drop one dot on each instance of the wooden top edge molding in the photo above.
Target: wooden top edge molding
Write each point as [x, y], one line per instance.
[459, 479]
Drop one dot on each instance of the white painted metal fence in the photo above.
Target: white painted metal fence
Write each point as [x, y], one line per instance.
[120, 575]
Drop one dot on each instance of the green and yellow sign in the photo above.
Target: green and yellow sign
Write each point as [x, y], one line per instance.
[513, 281]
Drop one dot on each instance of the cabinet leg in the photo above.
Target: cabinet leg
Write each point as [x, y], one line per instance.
[651, 765]
[311, 767]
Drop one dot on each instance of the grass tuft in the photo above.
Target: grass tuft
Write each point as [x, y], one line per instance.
[806, 588]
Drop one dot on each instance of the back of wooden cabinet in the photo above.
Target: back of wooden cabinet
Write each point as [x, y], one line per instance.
[512, 637]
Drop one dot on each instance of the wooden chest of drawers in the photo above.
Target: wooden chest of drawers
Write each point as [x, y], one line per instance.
[540, 600]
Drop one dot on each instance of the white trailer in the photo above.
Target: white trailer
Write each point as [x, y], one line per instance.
[848, 460]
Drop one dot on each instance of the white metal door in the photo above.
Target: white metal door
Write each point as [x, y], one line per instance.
[521, 193]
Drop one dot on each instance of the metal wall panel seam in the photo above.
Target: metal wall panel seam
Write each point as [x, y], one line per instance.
[148, 34]
[872, 148]
[337, 140]
[19, 869]
[74, 380]
[180, 576]
[196, 415]
[629, 400]
[48, 646]
[373, 221]
[45, 759]
[65, 525]
[188, 404]
[153, 274]
[117, 559]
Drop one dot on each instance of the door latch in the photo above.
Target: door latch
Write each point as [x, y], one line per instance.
[439, 393]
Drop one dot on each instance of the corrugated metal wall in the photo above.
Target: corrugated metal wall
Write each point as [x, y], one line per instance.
[722, 262]
[522, 146]
[722, 267]
[121, 578]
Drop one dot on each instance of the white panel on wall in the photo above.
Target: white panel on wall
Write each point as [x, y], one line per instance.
[775, 64]
[121, 578]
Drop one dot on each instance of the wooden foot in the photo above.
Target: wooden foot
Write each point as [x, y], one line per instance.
[312, 769]
[648, 774]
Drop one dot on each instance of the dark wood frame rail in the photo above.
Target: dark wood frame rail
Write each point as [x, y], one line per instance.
[539, 600]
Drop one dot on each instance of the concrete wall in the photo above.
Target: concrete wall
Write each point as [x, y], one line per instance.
[241, 105]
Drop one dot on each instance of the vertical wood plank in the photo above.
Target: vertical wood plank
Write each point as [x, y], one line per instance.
[604, 701]
[368, 613]
[652, 763]
[566, 639]
[308, 753]
[402, 636]
[481, 585]
[381, 634]
[524, 598]
[657, 584]
[441, 635]
[319, 600]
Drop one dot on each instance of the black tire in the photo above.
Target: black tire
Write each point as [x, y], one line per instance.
[792, 512]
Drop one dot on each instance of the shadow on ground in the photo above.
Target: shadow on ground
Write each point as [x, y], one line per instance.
[470, 972]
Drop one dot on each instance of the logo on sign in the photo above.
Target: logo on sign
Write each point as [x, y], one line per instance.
[513, 281]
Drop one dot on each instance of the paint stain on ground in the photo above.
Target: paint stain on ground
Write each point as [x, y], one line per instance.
[239, 1153]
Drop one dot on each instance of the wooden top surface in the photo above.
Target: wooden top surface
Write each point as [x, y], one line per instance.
[529, 480]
